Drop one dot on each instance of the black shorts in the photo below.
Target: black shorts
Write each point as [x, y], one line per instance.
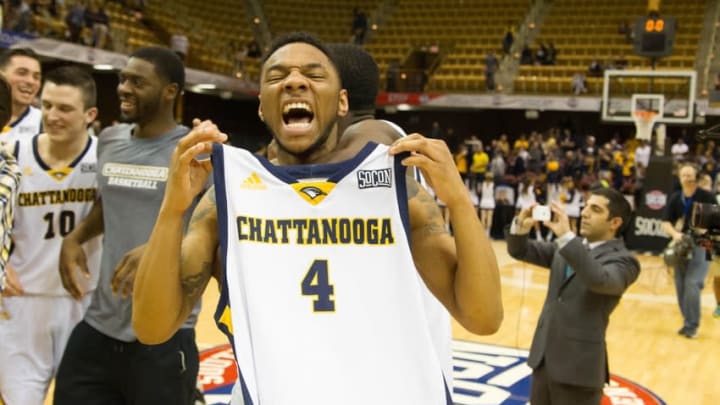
[97, 369]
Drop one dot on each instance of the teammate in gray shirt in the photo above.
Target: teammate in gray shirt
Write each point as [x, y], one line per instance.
[103, 362]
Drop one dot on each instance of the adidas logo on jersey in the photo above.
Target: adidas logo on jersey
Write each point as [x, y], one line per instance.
[253, 182]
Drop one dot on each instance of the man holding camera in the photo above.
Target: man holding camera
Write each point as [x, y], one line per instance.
[588, 275]
[689, 274]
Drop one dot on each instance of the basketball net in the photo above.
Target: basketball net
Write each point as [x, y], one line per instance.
[644, 121]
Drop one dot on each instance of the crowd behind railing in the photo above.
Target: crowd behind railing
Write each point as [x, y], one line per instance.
[557, 165]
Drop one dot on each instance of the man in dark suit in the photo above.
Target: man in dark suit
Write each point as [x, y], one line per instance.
[588, 275]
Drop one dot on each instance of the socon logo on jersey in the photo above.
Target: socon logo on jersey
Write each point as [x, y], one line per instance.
[88, 167]
[483, 374]
[655, 199]
[374, 178]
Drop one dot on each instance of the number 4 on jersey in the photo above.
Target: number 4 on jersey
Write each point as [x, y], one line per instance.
[317, 282]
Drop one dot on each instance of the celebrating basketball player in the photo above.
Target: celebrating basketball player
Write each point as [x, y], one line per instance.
[58, 190]
[320, 295]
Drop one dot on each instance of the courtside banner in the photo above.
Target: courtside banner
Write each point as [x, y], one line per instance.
[483, 375]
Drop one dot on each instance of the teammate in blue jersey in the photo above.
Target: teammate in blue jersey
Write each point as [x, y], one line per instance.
[301, 100]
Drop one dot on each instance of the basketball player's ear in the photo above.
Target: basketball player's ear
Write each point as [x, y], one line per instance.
[171, 91]
[260, 113]
[90, 115]
[343, 104]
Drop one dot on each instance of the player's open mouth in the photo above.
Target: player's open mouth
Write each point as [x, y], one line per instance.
[297, 115]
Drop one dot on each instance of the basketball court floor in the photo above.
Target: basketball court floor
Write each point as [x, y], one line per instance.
[642, 342]
[643, 345]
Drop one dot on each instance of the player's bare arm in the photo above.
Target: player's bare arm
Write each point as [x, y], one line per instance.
[174, 272]
[460, 270]
[72, 255]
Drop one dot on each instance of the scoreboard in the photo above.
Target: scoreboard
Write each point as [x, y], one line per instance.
[654, 36]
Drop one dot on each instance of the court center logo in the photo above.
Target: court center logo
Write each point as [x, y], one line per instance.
[483, 374]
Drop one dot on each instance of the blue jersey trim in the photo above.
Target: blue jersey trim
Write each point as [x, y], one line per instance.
[402, 195]
[218, 162]
[334, 172]
[42, 163]
[21, 117]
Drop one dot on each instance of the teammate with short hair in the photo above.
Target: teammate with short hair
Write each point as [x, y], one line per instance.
[328, 252]
[58, 189]
[22, 70]
[360, 76]
[104, 363]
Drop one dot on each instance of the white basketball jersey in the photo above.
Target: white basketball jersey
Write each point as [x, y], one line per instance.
[50, 203]
[25, 127]
[321, 298]
[438, 316]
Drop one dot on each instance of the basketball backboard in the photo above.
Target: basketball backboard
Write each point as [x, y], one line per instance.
[677, 88]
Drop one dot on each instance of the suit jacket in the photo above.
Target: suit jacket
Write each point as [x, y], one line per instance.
[570, 334]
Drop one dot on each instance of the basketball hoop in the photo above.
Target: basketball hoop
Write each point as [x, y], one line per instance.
[644, 122]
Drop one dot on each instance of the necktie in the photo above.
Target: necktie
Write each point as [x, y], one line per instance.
[568, 270]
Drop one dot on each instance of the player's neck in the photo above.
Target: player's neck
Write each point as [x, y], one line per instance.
[57, 154]
[18, 110]
[158, 126]
[318, 154]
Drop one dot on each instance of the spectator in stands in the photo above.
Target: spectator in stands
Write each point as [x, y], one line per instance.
[590, 146]
[717, 81]
[535, 157]
[491, 67]
[567, 141]
[679, 149]
[578, 83]
[436, 132]
[507, 41]
[521, 142]
[551, 54]
[642, 154]
[572, 198]
[254, 50]
[478, 164]
[359, 26]
[451, 138]
[487, 202]
[595, 69]
[515, 165]
[18, 16]
[75, 20]
[541, 55]
[498, 167]
[526, 56]
[525, 199]
[461, 162]
[44, 16]
[503, 144]
[98, 22]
